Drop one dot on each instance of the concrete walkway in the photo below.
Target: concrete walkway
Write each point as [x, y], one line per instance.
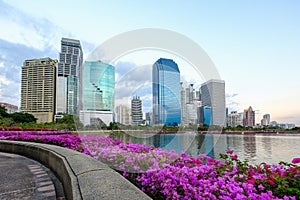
[23, 178]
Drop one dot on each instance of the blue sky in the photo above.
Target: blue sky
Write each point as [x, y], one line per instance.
[255, 45]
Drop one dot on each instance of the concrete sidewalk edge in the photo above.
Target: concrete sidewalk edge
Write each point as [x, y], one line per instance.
[82, 176]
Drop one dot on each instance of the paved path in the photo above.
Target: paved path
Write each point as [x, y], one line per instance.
[23, 178]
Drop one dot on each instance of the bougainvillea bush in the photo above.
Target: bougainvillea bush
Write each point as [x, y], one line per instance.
[166, 175]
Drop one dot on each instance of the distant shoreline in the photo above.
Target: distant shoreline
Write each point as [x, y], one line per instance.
[206, 132]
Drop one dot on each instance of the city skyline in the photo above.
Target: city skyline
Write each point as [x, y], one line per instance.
[254, 45]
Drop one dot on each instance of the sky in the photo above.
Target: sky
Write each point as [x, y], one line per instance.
[255, 45]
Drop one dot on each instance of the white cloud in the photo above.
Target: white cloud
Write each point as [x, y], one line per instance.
[4, 81]
[1, 64]
[16, 33]
[21, 28]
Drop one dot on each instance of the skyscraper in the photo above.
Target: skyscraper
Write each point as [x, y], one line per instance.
[166, 92]
[182, 104]
[136, 111]
[98, 92]
[69, 72]
[249, 117]
[190, 105]
[38, 88]
[213, 95]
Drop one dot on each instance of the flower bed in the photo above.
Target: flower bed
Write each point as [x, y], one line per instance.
[166, 175]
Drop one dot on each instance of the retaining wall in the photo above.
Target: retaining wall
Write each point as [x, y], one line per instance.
[82, 176]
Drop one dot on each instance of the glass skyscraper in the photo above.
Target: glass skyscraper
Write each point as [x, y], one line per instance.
[98, 93]
[68, 92]
[98, 86]
[166, 92]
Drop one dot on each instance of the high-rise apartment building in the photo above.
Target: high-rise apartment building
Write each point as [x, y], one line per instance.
[136, 111]
[123, 115]
[38, 88]
[213, 95]
[98, 80]
[249, 117]
[69, 74]
[166, 92]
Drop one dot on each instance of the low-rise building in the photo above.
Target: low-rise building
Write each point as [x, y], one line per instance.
[9, 107]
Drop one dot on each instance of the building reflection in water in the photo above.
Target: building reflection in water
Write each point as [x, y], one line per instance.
[249, 146]
[254, 147]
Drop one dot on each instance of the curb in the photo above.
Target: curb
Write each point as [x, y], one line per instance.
[82, 176]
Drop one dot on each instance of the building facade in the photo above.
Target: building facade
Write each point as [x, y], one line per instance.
[38, 87]
[9, 107]
[205, 115]
[190, 104]
[123, 115]
[69, 76]
[148, 118]
[136, 111]
[166, 92]
[235, 119]
[249, 117]
[98, 86]
[213, 95]
[266, 120]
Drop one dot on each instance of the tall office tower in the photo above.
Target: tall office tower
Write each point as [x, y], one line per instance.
[166, 92]
[123, 114]
[265, 120]
[38, 88]
[98, 80]
[69, 74]
[190, 94]
[183, 104]
[191, 107]
[213, 95]
[249, 117]
[136, 111]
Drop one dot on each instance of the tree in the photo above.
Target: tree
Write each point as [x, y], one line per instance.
[113, 126]
[3, 112]
[19, 117]
[70, 122]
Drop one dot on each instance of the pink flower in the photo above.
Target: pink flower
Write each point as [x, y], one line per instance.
[196, 161]
[296, 160]
[234, 157]
[230, 151]
[251, 181]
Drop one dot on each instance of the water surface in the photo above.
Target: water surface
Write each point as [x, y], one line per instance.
[257, 148]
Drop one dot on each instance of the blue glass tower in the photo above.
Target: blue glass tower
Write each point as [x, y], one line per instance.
[207, 112]
[166, 92]
[98, 86]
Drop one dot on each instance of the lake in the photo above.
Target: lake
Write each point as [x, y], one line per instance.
[256, 148]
